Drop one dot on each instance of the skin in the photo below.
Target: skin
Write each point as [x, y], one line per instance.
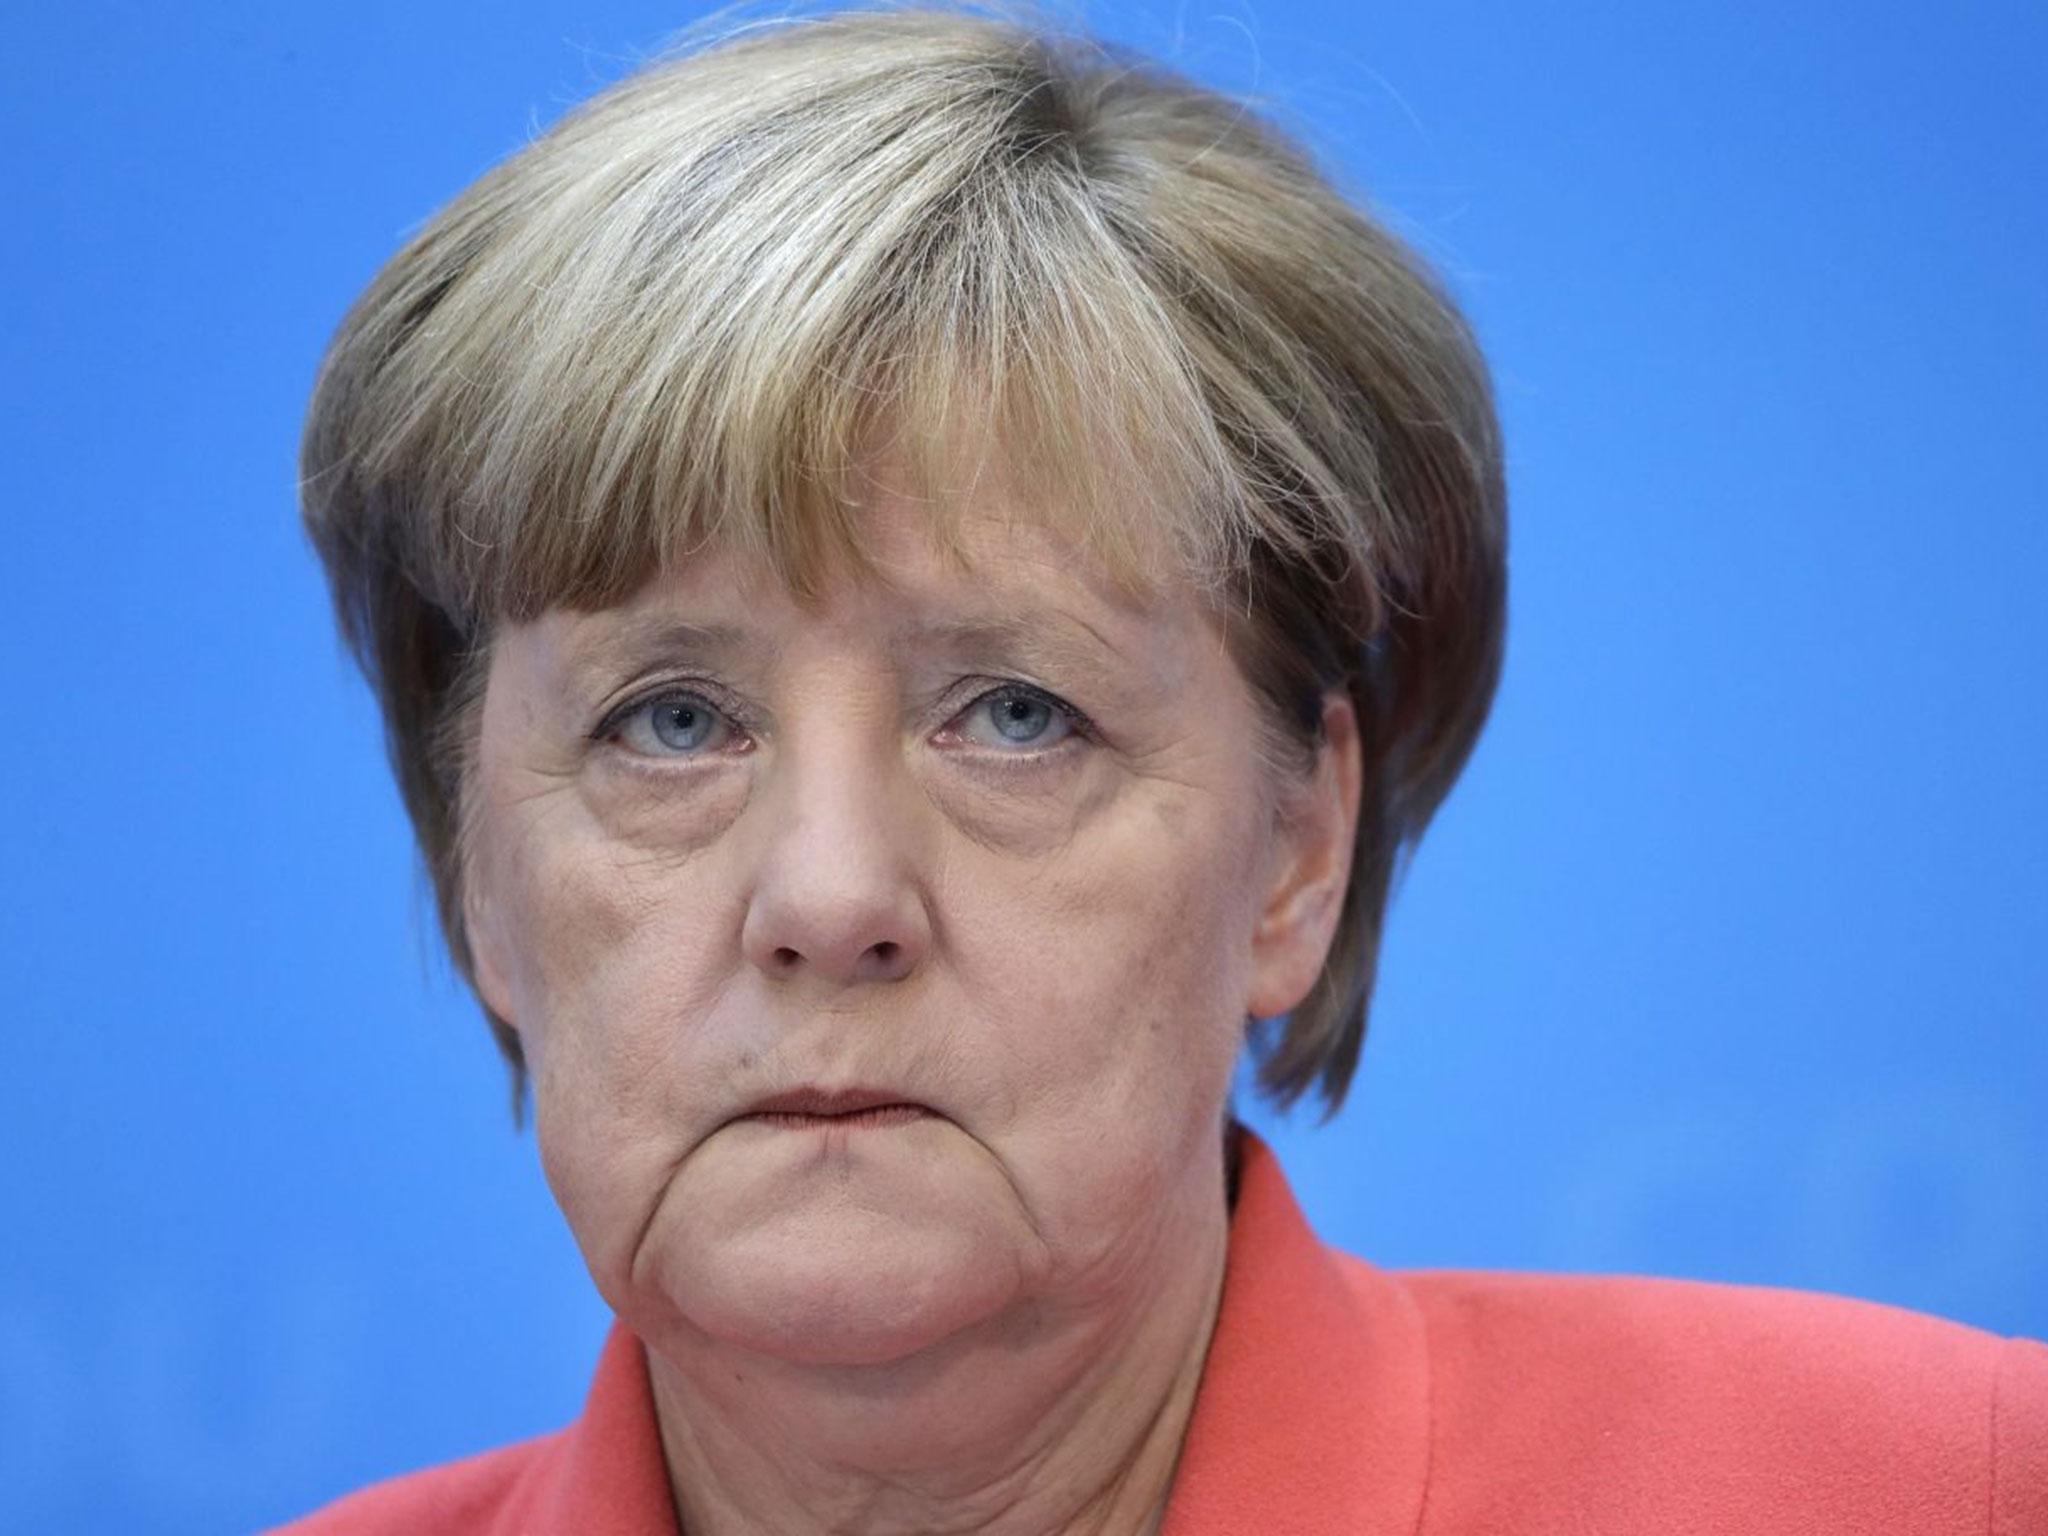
[837, 859]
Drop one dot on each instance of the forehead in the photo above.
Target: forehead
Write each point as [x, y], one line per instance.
[996, 585]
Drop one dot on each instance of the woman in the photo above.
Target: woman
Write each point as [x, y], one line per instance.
[921, 575]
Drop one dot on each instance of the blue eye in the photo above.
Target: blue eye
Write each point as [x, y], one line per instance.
[1021, 717]
[675, 724]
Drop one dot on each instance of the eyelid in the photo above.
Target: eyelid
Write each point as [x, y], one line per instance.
[1077, 721]
[614, 719]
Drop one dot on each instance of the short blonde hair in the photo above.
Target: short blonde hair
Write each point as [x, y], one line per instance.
[680, 315]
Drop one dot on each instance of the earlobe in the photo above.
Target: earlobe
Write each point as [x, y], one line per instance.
[1314, 837]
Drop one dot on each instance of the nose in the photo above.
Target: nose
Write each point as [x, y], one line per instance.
[836, 894]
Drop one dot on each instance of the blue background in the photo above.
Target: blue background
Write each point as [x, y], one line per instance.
[1727, 958]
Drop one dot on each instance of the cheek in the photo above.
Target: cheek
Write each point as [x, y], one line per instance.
[615, 949]
[594, 920]
[619, 1100]
[1120, 968]
[1111, 987]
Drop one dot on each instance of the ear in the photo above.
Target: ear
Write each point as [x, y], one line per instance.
[1315, 827]
[483, 927]
[488, 957]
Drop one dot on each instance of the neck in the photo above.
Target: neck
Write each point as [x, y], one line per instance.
[1051, 1420]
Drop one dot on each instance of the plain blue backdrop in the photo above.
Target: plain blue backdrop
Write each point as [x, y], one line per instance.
[1729, 957]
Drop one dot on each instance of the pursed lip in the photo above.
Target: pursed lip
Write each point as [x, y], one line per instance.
[832, 1102]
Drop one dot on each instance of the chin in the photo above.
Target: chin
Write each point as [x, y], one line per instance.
[876, 1292]
[819, 1249]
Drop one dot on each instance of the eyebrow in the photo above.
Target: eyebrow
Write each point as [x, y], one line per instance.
[1042, 639]
[1039, 640]
[603, 651]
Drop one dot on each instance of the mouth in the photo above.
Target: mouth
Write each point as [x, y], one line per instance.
[844, 1108]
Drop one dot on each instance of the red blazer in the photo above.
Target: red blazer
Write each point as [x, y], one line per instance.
[1341, 1398]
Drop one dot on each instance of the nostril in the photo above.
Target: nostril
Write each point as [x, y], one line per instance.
[884, 957]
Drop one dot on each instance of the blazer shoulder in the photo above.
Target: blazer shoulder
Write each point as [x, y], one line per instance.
[1811, 1341]
[2019, 1432]
[469, 1497]
[1784, 1404]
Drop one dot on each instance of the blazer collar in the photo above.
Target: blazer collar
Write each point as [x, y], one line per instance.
[1312, 1417]
[611, 1478]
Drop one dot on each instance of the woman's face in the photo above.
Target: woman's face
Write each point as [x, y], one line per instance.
[998, 845]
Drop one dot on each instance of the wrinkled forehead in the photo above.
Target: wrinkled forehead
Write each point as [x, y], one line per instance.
[994, 582]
